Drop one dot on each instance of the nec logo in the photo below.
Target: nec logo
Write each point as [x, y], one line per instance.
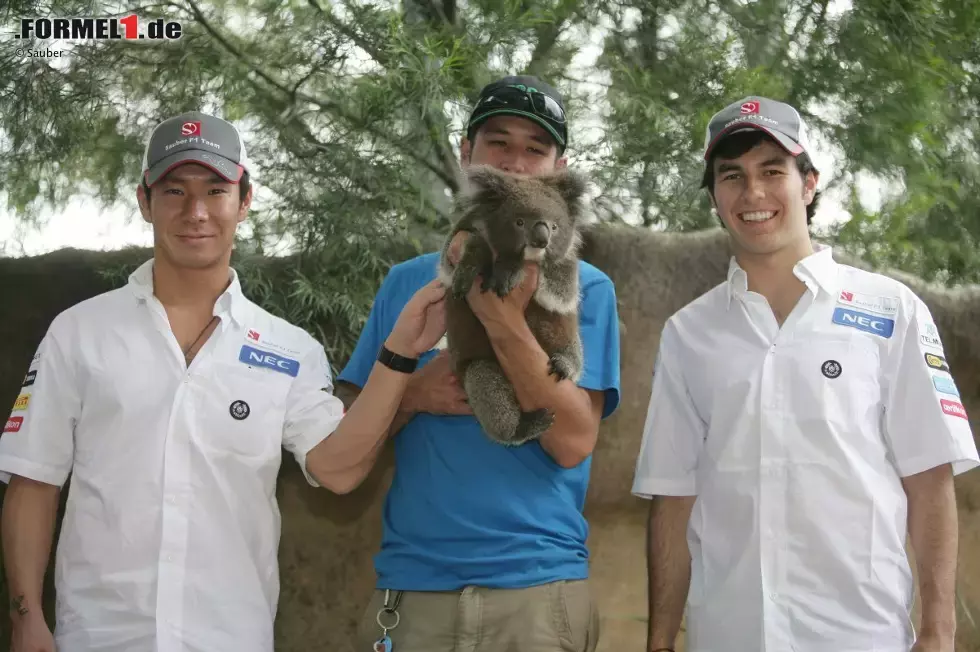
[864, 322]
[251, 356]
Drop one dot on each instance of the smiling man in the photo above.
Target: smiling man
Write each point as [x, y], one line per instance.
[169, 402]
[802, 421]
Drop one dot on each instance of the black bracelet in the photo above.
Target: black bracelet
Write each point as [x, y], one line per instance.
[397, 362]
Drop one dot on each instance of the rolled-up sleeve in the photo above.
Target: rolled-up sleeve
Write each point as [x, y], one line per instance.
[38, 440]
[313, 412]
[926, 424]
[673, 433]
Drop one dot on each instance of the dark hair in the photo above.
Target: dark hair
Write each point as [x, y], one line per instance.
[738, 144]
[244, 185]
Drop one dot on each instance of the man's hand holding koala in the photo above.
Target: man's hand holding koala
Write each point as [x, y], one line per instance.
[498, 314]
[504, 315]
[435, 389]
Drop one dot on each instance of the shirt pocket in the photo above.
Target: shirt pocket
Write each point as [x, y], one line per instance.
[833, 383]
[243, 411]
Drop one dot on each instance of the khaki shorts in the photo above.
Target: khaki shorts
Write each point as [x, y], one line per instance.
[556, 617]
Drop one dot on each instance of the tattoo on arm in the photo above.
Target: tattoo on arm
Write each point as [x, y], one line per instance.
[18, 605]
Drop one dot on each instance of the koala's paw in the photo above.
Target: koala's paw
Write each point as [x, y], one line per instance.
[532, 425]
[489, 283]
[504, 284]
[562, 367]
[461, 284]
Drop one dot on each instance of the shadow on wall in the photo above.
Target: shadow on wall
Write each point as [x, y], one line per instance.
[328, 541]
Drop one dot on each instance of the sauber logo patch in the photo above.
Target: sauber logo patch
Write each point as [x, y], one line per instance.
[13, 424]
[882, 305]
[953, 408]
[253, 356]
[864, 322]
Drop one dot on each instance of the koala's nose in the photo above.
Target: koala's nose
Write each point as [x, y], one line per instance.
[540, 234]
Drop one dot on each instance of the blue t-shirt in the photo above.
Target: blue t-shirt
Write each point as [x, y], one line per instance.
[462, 509]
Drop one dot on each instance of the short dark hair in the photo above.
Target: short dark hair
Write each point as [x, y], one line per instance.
[738, 144]
[244, 185]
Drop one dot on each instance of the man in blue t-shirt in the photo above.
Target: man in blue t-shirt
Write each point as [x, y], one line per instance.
[484, 544]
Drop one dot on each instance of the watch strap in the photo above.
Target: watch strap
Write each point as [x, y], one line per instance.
[397, 362]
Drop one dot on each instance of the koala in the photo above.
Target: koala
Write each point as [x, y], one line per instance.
[511, 220]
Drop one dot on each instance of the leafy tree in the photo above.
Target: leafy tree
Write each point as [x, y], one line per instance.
[354, 111]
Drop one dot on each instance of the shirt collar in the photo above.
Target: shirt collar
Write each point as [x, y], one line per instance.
[818, 270]
[231, 301]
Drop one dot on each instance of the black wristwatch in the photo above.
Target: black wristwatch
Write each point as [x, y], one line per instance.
[397, 362]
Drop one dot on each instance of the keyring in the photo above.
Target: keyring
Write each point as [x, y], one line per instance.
[382, 625]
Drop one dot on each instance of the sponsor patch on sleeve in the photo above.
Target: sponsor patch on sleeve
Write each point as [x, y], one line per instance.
[13, 424]
[29, 378]
[934, 361]
[953, 408]
[945, 385]
[874, 324]
[929, 335]
[22, 402]
[869, 302]
[252, 356]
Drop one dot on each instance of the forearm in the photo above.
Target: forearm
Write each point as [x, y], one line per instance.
[572, 436]
[342, 461]
[933, 531]
[669, 568]
[30, 509]
[348, 393]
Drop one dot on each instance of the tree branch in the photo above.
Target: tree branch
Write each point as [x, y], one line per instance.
[326, 105]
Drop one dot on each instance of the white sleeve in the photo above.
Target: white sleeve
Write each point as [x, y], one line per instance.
[312, 410]
[925, 422]
[38, 437]
[673, 434]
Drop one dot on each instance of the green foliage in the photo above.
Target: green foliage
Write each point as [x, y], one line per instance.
[353, 111]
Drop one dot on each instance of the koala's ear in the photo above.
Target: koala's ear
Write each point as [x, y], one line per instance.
[481, 179]
[572, 186]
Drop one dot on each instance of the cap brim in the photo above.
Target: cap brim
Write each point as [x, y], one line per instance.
[523, 114]
[787, 143]
[223, 167]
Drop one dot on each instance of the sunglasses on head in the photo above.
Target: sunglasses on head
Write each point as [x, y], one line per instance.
[521, 97]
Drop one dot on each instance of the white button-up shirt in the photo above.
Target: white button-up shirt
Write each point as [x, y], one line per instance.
[170, 536]
[794, 440]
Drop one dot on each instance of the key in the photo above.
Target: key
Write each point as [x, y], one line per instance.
[383, 644]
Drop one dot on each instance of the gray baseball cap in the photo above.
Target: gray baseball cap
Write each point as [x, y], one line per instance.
[195, 137]
[778, 119]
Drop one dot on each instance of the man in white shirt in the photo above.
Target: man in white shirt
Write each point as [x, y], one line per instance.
[169, 401]
[802, 420]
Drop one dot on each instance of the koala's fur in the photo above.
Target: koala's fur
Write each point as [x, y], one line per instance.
[511, 220]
